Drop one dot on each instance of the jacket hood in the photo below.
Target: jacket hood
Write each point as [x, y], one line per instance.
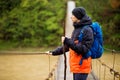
[84, 21]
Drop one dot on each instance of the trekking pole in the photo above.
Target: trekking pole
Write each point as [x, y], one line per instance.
[65, 58]
[65, 64]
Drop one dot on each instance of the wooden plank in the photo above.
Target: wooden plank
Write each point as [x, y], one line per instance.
[68, 32]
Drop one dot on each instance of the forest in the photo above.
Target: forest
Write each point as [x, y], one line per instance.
[40, 23]
[31, 23]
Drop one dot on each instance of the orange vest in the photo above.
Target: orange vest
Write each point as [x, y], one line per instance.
[75, 67]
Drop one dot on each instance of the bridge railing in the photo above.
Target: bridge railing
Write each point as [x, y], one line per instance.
[107, 67]
[51, 74]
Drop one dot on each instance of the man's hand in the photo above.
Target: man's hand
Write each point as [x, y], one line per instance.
[62, 39]
[49, 53]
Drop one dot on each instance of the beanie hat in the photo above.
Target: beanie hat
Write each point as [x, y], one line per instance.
[79, 12]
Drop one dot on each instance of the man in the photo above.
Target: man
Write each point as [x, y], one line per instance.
[76, 48]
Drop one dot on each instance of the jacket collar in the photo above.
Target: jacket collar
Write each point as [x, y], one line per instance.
[84, 21]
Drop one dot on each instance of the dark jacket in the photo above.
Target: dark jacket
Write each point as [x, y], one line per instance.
[87, 40]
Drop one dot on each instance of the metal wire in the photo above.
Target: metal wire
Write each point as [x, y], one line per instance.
[111, 50]
[49, 62]
[99, 71]
[104, 72]
[51, 73]
[21, 53]
[112, 71]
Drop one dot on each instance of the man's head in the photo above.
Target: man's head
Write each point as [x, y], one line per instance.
[78, 13]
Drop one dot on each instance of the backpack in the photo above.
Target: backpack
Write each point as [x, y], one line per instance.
[96, 49]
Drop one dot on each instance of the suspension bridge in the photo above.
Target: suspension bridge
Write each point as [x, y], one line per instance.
[105, 68]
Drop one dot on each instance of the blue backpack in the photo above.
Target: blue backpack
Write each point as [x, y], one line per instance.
[96, 49]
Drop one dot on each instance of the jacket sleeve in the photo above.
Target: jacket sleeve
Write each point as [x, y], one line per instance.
[60, 50]
[84, 46]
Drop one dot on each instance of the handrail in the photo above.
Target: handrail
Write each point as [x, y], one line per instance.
[112, 71]
[21, 53]
[51, 73]
[112, 50]
[115, 73]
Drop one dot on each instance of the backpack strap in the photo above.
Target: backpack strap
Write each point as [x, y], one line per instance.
[80, 63]
[82, 33]
[80, 40]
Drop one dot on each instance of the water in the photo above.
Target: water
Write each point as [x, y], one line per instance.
[25, 67]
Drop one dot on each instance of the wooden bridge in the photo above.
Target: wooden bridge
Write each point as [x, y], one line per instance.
[60, 67]
[68, 32]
